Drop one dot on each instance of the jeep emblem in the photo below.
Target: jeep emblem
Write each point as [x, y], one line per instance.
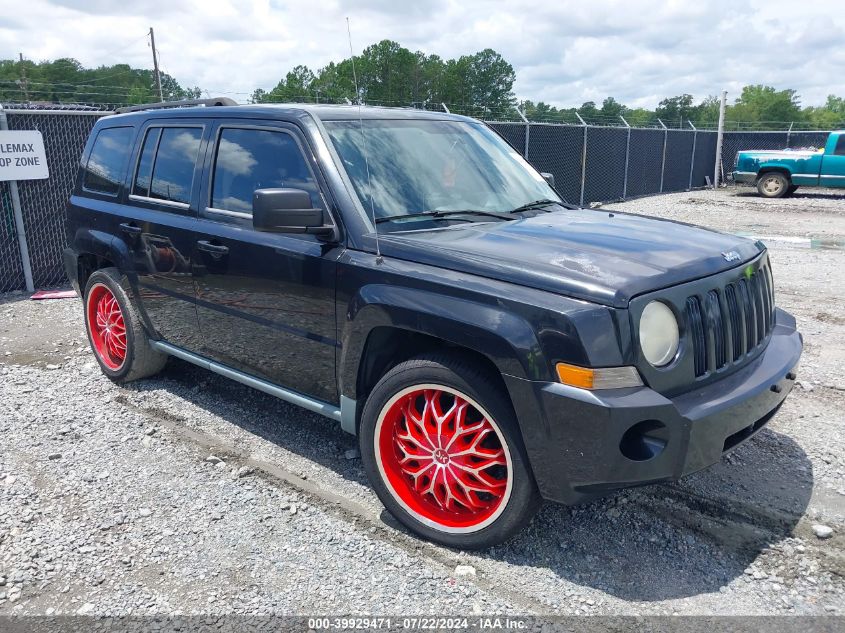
[731, 256]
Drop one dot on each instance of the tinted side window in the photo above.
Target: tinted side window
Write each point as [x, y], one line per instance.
[141, 184]
[107, 162]
[173, 170]
[257, 159]
[840, 146]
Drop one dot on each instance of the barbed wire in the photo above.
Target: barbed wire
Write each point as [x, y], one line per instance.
[118, 96]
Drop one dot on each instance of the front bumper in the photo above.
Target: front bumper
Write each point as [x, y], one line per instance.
[577, 451]
[749, 177]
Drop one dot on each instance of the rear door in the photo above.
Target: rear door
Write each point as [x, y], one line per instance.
[159, 220]
[833, 165]
[265, 300]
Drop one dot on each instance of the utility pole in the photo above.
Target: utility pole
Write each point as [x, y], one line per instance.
[716, 169]
[23, 82]
[155, 65]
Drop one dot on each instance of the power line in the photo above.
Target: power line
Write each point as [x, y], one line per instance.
[125, 46]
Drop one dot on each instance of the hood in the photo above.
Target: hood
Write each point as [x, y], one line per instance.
[600, 256]
[783, 153]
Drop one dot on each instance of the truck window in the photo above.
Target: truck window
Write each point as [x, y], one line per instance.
[107, 162]
[840, 146]
[166, 166]
[250, 159]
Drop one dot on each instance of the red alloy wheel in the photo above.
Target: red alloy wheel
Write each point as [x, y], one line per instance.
[106, 326]
[443, 458]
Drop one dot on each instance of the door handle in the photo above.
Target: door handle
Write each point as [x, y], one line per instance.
[214, 249]
[130, 229]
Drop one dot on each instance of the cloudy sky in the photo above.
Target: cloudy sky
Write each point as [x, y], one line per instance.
[565, 52]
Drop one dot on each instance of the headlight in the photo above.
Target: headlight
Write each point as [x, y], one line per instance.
[658, 334]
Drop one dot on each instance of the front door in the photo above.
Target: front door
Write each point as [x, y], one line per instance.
[265, 300]
[833, 165]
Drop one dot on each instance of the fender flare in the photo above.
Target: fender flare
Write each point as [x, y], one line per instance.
[108, 247]
[769, 167]
[504, 338]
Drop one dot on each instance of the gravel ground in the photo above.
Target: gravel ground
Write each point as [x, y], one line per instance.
[190, 494]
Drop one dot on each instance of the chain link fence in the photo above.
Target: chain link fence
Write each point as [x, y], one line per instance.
[589, 163]
[43, 201]
[11, 267]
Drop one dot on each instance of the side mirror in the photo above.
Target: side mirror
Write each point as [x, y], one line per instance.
[549, 178]
[287, 211]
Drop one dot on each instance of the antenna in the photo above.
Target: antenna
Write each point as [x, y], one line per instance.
[364, 143]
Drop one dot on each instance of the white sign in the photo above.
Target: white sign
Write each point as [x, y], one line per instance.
[22, 155]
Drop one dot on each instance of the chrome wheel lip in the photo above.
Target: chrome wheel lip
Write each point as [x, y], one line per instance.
[393, 493]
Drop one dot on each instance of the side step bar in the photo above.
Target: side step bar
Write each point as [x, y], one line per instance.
[317, 406]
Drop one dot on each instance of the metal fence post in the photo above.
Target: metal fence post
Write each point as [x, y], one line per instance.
[583, 158]
[19, 226]
[627, 157]
[789, 132]
[527, 131]
[692, 158]
[719, 139]
[663, 163]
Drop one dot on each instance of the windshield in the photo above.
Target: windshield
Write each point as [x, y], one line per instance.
[419, 166]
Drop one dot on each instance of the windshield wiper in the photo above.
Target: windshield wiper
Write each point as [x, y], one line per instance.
[446, 214]
[537, 204]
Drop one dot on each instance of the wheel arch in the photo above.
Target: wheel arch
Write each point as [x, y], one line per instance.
[96, 250]
[387, 346]
[387, 325]
[767, 169]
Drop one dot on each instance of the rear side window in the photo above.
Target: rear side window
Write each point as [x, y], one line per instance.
[141, 186]
[166, 166]
[107, 162]
[840, 146]
[250, 159]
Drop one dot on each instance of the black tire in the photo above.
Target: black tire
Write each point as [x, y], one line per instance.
[773, 184]
[139, 359]
[452, 373]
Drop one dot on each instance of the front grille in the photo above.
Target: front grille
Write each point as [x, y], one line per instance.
[728, 323]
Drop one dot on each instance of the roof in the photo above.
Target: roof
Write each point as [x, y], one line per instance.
[324, 112]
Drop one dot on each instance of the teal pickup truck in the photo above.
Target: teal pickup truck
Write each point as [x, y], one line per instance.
[779, 173]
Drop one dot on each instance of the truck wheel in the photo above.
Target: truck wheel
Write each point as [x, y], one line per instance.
[773, 184]
[442, 449]
[115, 332]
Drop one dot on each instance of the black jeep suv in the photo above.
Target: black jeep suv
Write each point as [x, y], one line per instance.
[410, 275]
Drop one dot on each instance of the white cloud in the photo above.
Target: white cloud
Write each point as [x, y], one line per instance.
[564, 53]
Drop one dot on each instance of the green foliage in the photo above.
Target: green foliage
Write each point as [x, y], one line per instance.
[67, 81]
[758, 107]
[674, 110]
[766, 104]
[390, 74]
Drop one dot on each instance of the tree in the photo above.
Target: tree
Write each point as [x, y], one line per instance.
[65, 80]
[707, 112]
[764, 104]
[611, 109]
[391, 74]
[296, 86]
[673, 110]
[589, 112]
[829, 116]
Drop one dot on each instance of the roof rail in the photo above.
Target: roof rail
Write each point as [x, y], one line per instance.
[216, 101]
